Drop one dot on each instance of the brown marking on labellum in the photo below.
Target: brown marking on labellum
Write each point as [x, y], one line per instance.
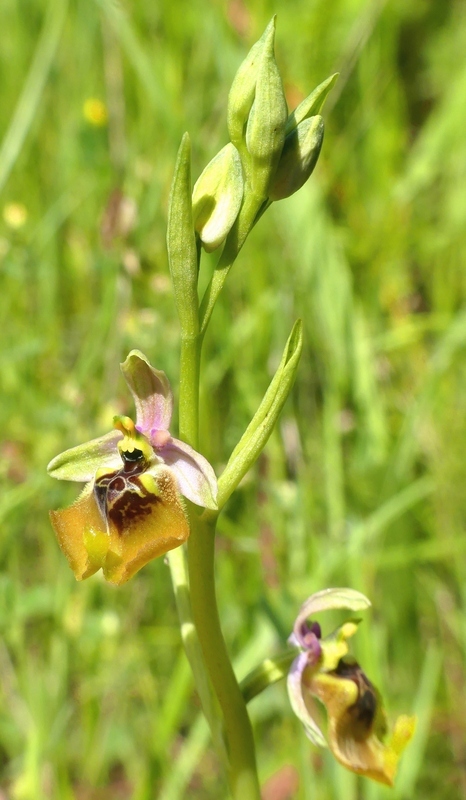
[364, 710]
[121, 496]
[130, 504]
[119, 484]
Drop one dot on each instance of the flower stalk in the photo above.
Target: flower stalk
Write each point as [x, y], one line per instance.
[242, 769]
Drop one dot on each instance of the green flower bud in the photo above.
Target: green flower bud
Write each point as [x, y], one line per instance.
[311, 105]
[298, 159]
[217, 197]
[243, 89]
[265, 134]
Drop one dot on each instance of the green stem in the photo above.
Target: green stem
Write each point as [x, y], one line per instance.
[189, 389]
[179, 574]
[246, 220]
[195, 592]
[177, 559]
[237, 726]
[216, 669]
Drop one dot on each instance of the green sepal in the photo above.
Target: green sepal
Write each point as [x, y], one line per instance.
[259, 429]
[181, 243]
[80, 463]
[312, 104]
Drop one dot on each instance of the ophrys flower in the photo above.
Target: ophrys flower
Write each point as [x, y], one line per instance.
[130, 510]
[356, 720]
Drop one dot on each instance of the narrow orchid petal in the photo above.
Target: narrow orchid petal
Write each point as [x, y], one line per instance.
[295, 693]
[196, 478]
[81, 463]
[151, 392]
[326, 600]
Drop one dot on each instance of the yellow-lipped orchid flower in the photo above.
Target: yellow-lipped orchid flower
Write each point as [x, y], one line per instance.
[131, 510]
[357, 724]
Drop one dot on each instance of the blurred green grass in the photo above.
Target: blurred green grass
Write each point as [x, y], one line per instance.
[361, 485]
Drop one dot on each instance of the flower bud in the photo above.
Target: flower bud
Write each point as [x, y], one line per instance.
[243, 89]
[298, 159]
[265, 133]
[217, 197]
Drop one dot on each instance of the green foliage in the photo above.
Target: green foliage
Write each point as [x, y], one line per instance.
[362, 482]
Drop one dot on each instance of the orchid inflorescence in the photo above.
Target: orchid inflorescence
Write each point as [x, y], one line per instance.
[138, 477]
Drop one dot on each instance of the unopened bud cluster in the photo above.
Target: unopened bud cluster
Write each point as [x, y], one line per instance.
[271, 154]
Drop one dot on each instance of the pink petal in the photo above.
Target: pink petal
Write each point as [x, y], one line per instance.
[295, 693]
[151, 392]
[196, 478]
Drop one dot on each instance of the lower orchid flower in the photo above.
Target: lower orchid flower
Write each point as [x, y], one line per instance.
[131, 510]
[357, 724]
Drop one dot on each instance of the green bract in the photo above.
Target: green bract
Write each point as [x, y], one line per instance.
[181, 242]
[217, 197]
[312, 104]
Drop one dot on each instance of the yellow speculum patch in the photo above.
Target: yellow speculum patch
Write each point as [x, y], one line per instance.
[97, 544]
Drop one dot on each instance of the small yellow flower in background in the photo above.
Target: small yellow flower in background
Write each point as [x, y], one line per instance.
[15, 215]
[95, 112]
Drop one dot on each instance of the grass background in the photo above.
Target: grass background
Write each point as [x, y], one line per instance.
[363, 482]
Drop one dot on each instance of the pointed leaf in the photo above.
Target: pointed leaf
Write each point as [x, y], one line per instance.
[257, 433]
[181, 242]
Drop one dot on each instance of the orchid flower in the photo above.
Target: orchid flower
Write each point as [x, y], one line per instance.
[357, 723]
[130, 510]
